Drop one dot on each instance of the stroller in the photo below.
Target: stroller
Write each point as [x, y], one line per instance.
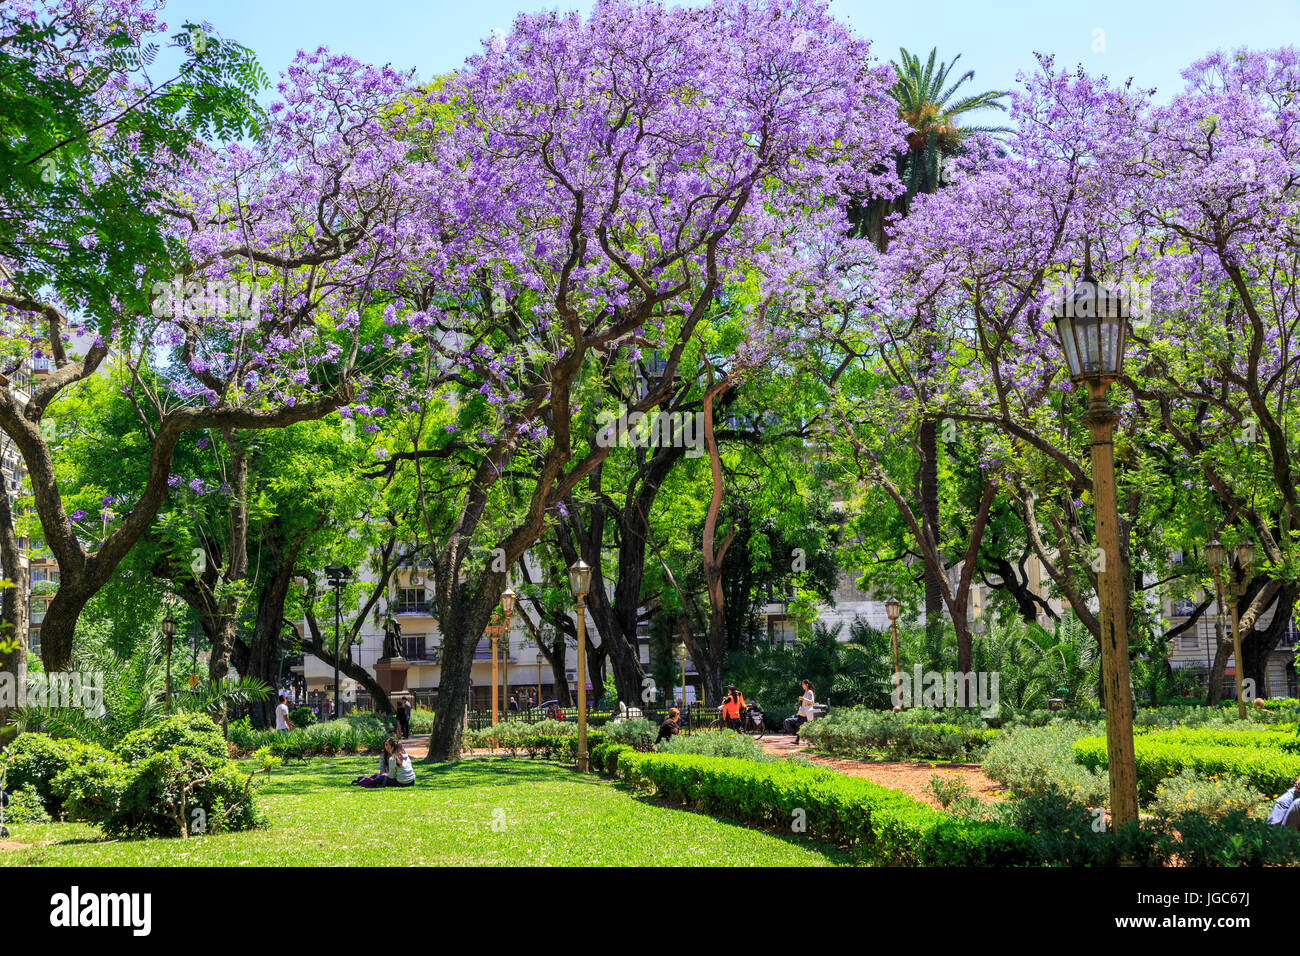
[752, 720]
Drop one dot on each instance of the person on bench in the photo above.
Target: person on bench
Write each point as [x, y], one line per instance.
[806, 700]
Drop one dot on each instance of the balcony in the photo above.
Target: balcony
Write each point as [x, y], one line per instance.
[414, 607]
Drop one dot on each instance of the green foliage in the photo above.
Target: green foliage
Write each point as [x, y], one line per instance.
[1266, 769]
[843, 674]
[715, 743]
[919, 732]
[302, 717]
[947, 789]
[26, 806]
[34, 760]
[1040, 760]
[1213, 796]
[356, 733]
[635, 730]
[194, 731]
[168, 780]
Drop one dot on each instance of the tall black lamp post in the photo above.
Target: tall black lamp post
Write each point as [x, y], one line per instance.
[169, 633]
[338, 577]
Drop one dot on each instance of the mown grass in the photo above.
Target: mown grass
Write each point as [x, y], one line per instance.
[496, 812]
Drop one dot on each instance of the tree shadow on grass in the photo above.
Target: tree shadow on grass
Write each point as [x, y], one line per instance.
[835, 855]
[339, 773]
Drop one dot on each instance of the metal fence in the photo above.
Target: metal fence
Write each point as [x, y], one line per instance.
[695, 716]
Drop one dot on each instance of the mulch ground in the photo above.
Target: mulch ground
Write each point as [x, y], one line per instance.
[911, 777]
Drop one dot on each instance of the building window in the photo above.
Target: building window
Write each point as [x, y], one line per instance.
[34, 640]
[414, 647]
[411, 601]
[1191, 641]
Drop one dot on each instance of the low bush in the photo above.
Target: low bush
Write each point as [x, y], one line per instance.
[547, 739]
[302, 717]
[148, 788]
[194, 731]
[26, 806]
[1268, 770]
[637, 730]
[888, 826]
[715, 743]
[1041, 760]
[35, 759]
[920, 732]
[1212, 796]
[421, 720]
[354, 734]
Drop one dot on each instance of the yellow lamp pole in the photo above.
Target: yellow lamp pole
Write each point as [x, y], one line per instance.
[892, 608]
[1092, 323]
[508, 598]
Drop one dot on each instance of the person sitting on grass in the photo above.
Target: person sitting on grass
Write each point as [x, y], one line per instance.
[395, 768]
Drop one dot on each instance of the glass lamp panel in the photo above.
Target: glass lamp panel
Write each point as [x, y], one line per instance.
[1065, 329]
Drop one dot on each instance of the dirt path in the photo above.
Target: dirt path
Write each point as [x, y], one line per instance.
[911, 777]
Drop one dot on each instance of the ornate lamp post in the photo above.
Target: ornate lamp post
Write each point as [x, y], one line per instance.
[1092, 321]
[1215, 556]
[495, 631]
[892, 607]
[338, 578]
[579, 584]
[681, 652]
[169, 632]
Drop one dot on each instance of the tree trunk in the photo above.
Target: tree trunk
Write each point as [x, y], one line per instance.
[928, 441]
[14, 606]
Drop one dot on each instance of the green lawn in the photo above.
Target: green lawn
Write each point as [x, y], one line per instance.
[477, 812]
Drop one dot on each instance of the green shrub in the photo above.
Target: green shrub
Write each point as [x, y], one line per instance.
[421, 720]
[637, 730]
[181, 790]
[1268, 770]
[947, 789]
[302, 717]
[34, 760]
[919, 732]
[26, 806]
[196, 731]
[605, 757]
[1041, 760]
[1190, 791]
[1233, 839]
[356, 733]
[715, 743]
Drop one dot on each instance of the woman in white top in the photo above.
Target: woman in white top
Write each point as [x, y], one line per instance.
[395, 768]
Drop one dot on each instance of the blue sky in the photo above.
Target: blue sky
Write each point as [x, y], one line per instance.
[1152, 41]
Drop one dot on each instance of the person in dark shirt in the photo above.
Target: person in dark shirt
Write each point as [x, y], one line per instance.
[1286, 812]
[669, 727]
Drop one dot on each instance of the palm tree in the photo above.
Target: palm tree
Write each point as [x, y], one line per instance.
[928, 104]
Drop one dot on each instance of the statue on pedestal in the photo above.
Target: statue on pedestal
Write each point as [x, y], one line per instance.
[392, 638]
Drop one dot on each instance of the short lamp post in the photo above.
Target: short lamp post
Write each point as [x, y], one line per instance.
[1092, 322]
[579, 585]
[169, 633]
[681, 653]
[1215, 557]
[892, 607]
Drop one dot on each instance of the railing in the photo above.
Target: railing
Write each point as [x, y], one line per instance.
[414, 607]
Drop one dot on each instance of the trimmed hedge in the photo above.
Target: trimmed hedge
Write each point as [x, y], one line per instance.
[888, 826]
[857, 732]
[1268, 770]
